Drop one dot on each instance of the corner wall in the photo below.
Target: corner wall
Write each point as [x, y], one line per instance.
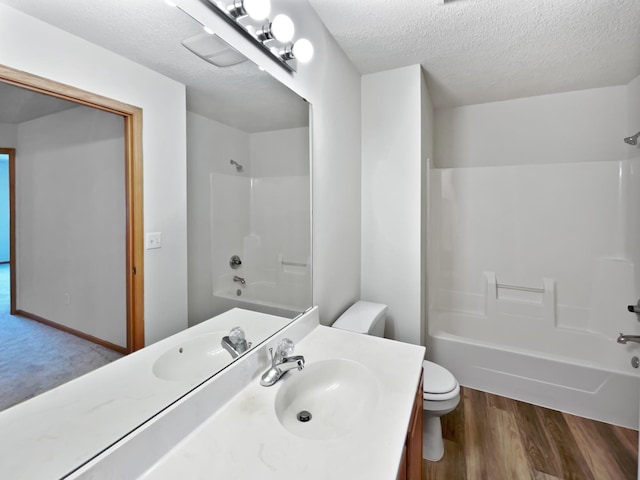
[36, 47]
[393, 142]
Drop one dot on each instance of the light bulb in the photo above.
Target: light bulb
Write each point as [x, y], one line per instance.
[282, 28]
[257, 9]
[303, 50]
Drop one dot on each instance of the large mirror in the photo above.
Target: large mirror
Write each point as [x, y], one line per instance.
[248, 201]
[249, 194]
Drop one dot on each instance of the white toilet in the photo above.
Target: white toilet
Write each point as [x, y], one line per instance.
[441, 391]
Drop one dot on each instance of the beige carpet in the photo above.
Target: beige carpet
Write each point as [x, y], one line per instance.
[35, 358]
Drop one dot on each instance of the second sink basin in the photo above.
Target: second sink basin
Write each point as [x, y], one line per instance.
[194, 360]
[326, 400]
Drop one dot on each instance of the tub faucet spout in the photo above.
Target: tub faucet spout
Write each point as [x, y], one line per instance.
[239, 280]
[628, 338]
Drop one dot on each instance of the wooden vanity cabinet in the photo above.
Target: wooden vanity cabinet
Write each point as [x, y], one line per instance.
[411, 463]
[402, 471]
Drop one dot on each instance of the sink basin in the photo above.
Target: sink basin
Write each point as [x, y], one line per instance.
[338, 394]
[193, 360]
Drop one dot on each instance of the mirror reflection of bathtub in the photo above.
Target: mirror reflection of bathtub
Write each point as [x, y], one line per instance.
[285, 297]
[259, 215]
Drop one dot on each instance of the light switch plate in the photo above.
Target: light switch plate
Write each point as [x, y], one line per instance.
[153, 240]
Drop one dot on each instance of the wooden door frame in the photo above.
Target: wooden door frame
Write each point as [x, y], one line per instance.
[133, 190]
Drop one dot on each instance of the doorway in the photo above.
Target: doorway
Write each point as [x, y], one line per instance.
[132, 120]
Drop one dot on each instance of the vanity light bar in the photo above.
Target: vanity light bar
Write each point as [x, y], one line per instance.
[274, 37]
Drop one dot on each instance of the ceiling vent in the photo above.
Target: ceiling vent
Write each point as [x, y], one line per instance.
[214, 50]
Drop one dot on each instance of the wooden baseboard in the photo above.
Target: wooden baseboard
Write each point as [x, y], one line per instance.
[77, 333]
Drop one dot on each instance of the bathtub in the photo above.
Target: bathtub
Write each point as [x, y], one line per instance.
[573, 371]
[264, 297]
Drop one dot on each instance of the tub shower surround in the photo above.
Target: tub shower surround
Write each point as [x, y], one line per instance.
[271, 236]
[260, 213]
[534, 266]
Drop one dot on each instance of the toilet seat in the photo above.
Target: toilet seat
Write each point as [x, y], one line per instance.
[438, 383]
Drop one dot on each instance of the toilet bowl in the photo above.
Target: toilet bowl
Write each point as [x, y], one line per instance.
[441, 395]
[441, 391]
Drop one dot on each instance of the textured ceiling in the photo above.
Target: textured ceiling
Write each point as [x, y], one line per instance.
[474, 51]
[19, 105]
[149, 32]
[477, 51]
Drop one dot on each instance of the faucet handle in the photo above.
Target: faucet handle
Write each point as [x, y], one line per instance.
[236, 335]
[285, 348]
[238, 340]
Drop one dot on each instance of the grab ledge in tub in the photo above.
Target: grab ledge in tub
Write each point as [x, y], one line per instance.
[292, 266]
[544, 296]
[522, 289]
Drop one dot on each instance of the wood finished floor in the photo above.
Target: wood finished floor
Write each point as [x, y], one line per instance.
[489, 437]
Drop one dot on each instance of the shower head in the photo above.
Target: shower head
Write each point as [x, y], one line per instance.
[632, 140]
[239, 167]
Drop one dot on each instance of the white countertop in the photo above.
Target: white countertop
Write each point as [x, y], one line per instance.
[52, 434]
[244, 439]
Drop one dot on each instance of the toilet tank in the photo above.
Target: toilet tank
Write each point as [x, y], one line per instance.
[364, 317]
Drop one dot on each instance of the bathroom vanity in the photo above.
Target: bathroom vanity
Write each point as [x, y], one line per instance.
[411, 462]
[359, 391]
[54, 433]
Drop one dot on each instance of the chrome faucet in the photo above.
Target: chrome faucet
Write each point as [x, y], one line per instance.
[628, 338]
[240, 280]
[281, 363]
[235, 343]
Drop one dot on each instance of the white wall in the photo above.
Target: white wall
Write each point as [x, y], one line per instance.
[71, 221]
[391, 197]
[332, 85]
[8, 135]
[579, 126]
[427, 137]
[36, 47]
